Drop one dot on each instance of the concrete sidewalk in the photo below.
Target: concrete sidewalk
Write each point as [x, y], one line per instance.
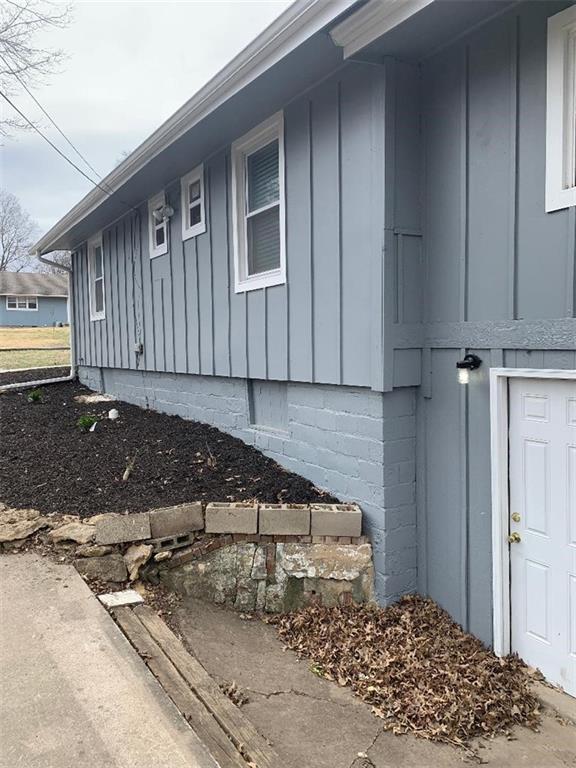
[73, 692]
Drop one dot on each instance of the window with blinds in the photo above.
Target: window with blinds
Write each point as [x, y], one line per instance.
[192, 199]
[258, 188]
[561, 111]
[157, 226]
[96, 273]
[22, 302]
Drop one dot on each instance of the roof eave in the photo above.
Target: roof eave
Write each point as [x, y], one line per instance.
[299, 22]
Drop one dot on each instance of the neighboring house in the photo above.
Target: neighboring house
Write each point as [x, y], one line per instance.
[30, 298]
[306, 250]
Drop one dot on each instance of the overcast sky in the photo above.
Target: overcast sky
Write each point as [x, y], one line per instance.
[130, 64]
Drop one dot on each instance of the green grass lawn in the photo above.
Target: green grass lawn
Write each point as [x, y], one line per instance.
[21, 339]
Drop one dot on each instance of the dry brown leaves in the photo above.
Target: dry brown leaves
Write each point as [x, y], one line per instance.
[417, 669]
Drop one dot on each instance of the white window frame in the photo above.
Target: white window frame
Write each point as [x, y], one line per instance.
[197, 229]
[560, 107]
[153, 204]
[94, 243]
[17, 299]
[263, 134]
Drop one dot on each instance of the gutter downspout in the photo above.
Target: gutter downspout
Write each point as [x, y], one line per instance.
[72, 374]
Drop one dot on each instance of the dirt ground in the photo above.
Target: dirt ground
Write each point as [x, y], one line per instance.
[317, 724]
[48, 463]
[34, 374]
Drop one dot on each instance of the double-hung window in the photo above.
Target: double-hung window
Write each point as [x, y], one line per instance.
[158, 225]
[561, 111]
[258, 212]
[22, 302]
[96, 274]
[192, 198]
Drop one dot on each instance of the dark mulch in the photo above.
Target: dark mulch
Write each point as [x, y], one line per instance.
[47, 463]
[34, 374]
[417, 668]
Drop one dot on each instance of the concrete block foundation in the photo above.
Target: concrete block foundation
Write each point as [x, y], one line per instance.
[356, 443]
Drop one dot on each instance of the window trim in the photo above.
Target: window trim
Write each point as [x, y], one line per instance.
[197, 174]
[258, 137]
[560, 126]
[19, 298]
[156, 202]
[92, 245]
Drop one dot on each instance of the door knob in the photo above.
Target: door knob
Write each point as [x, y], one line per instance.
[514, 538]
[516, 517]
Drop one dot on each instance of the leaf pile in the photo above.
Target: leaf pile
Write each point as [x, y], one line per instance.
[418, 670]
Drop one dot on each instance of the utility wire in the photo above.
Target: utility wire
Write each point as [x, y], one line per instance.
[60, 131]
[65, 157]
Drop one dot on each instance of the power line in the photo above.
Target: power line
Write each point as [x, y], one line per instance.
[65, 157]
[60, 131]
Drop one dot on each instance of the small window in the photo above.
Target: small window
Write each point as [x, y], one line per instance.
[193, 217]
[158, 225]
[561, 111]
[22, 302]
[96, 272]
[258, 190]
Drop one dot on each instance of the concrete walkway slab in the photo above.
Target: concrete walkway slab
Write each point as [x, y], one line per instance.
[73, 692]
[314, 723]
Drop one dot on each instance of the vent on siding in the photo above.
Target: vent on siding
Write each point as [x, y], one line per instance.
[268, 402]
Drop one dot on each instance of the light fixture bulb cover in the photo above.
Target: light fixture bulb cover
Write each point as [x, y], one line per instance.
[463, 375]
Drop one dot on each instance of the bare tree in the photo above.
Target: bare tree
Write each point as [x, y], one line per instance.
[59, 257]
[22, 60]
[17, 232]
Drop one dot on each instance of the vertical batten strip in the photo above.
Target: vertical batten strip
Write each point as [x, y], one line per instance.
[185, 278]
[464, 181]
[198, 334]
[229, 291]
[514, 149]
[174, 238]
[312, 285]
[210, 208]
[340, 344]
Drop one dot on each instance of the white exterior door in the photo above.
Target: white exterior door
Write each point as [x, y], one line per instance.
[542, 445]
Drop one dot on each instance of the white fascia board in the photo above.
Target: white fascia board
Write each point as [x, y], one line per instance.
[299, 21]
[372, 21]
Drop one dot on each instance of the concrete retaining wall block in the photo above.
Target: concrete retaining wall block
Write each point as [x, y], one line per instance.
[336, 520]
[231, 517]
[284, 519]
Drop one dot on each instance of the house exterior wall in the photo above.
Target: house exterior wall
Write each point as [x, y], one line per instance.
[500, 283]
[416, 232]
[356, 443]
[325, 324]
[51, 310]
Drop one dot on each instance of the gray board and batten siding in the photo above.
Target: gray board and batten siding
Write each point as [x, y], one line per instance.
[499, 282]
[322, 325]
[416, 231]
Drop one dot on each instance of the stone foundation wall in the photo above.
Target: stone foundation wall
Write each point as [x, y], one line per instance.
[356, 443]
[275, 577]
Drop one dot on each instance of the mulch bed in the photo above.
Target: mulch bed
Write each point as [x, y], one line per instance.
[416, 667]
[49, 464]
[33, 374]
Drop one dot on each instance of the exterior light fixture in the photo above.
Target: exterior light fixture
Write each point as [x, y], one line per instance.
[163, 213]
[469, 363]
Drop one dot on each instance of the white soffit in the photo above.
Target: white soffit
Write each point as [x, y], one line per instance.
[372, 21]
